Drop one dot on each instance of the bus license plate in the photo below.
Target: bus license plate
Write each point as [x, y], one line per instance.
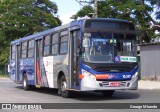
[114, 84]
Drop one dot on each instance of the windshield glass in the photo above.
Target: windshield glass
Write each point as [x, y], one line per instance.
[102, 47]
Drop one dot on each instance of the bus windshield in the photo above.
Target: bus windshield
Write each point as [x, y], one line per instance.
[102, 47]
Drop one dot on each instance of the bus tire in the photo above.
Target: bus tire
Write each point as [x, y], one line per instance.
[26, 87]
[108, 93]
[63, 88]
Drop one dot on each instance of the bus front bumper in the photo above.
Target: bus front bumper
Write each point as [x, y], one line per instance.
[92, 85]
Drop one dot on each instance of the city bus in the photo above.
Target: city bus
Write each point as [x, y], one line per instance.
[85, 55]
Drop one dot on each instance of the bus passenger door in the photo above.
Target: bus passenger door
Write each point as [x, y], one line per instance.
[17, 64]
[38, 57]
[74, 58]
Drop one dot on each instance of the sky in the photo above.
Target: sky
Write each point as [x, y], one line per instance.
[66, 8]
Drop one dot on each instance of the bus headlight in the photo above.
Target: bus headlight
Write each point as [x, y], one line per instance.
[134, 76]
[88, 75]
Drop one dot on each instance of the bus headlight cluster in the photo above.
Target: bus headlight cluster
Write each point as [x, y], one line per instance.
[88, 75]
[135, 76]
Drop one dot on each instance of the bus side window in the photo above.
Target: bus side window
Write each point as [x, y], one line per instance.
[46, 48]
[54, 44]
[64, 42]
[13, 52]
[64, 47]
[30, 48]
[24, 50]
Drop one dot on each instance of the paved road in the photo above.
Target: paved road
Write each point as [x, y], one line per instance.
[14, 93]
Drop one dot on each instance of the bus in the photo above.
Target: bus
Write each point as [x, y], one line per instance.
[85, 55]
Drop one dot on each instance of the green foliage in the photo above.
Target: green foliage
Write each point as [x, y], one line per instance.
[21, 17]
[3, 71]
[85, 11]
[156, 4]
[137, 11]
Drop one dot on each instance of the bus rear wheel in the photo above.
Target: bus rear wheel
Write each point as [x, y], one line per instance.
[63, 88]
[25, 83]
[108, 93]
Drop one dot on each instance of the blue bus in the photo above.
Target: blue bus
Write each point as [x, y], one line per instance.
[85, 55]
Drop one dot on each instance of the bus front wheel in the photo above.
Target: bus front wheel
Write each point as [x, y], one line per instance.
[108, 93]
[63, 88]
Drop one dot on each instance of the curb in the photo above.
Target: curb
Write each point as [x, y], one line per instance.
[142, 84]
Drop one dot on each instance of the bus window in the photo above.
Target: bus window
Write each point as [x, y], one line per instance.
[54, 48]
[64, 44]
[64, 47]
[24, 45]
[54, 43]
[125, 46]
[46, 47]
[13, 52]
[30, 52]
[23, 55]
[55, 38]
[47, 40]
[46, 50]
[13, 48]
[13, 55]
[30, 48]
[31, 44]
[24, 50]
[64, 33]
[64, 38]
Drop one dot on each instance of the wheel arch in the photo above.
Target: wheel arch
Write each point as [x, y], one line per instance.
[60, 74]
[24, 73]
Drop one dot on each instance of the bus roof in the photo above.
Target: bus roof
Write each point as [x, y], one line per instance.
[43, 33]
[112, 19]
[56, 29]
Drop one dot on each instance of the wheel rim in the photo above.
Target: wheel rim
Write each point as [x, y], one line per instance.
[63, 86]
[24, 83]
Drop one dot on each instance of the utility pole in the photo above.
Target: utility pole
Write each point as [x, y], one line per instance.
[95, 9]
[95, 15]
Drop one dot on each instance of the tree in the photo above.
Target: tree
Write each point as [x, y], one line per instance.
[85, 11]
[19, 18]
[138, 11]
[156, 6]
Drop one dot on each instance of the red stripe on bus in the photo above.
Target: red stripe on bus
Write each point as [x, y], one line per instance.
[102, 76]
[38, 73]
